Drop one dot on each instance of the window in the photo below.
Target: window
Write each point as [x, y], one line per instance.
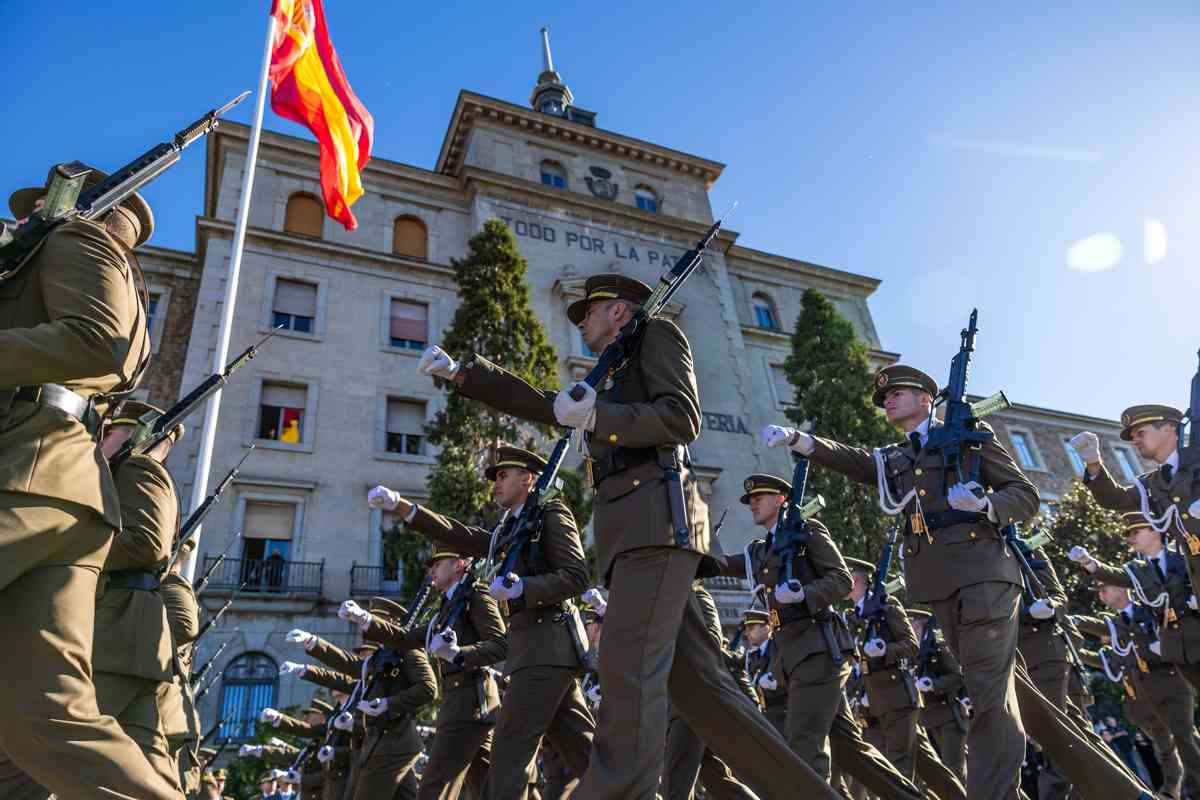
[266, 543]
[295, 306]
[1127, 462]
[1023, 447]
[281, 413]
[152, 320]
[305, 215]
[409, 326]
[157, 303]
[646, 199]
[405, 425]
[785, 393]
[554, 175]
[410, 238]
[1076, 462]
[764, 312]
[248, 686]
[392, 577]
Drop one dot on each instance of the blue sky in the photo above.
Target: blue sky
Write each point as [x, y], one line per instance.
[1036, 160]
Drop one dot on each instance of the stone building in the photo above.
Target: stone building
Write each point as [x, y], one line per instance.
[172, 280]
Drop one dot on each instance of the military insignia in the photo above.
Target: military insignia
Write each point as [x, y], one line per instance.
[881, 380]
[598, 183]
[775, 620]
[747, 485]
[1126, 419]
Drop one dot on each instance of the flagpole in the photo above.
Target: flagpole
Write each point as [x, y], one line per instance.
[221, 352]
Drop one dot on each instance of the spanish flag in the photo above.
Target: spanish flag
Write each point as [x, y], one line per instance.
[309, 86]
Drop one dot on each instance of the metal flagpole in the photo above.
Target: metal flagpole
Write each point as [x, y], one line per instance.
[204, 458]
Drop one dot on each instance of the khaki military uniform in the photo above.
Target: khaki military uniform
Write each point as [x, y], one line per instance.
[543, 696]
[71, 317]
[658, 643]
[177, 705]
[943, 716]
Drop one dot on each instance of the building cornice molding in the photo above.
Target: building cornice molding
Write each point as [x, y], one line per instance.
[776, 263]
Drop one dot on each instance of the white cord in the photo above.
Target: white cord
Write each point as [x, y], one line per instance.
[887, 503]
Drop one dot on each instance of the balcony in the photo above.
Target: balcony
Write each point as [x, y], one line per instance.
[267, 576]
[371, 581]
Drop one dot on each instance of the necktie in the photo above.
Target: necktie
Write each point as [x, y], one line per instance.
[1167, 471]
[915, 438]
[1128, 618]
[1158, 568]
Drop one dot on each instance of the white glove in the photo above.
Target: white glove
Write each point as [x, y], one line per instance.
[437, 362]
[966, 704]
[767, 681]
[875, 648]
[344, 721]
[353, 612]
[1192, 603]
[1083, 558]
[778, 435]
[1156, 648]
[250, 750]
[292, 668]
[962, 498]
[576, 413]
[271, 716]
[294, 775]
[790, 592]
[1087, 445]
[593, 598]
[445, 645]
[383, 497]
[302, 638]
[279, 774]
[325, 754]
[373, 708]
[502, 592]
[1194, 509]
[593, 693]
[924, 685]
[1042, 609]
[865, 701]
[277, 742]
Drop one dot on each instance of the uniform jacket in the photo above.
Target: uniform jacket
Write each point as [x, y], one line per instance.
[299, 728]
[1143, 674]
[407, 681]
[826, 581]
[1038, 639]
[887, 678]
[1178, 626]
[959, 555]
[733, 662]
[177, 708]
[650, 402]
[760, 660]
[1181, 491]
[941, 667]
[537, 634]
[132, 636]
[71, 316]
[330, 678]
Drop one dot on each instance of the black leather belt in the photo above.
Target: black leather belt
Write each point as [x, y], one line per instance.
[62, 398]
[620, 459]
[936, 520]
[141, 579]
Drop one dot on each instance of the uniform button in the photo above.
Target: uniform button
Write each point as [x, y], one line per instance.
[637, 482]
[612, 437]
[1177, 499]
[921, 492]
[918, 471]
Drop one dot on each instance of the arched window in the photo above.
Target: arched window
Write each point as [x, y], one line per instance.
[646, 198]
[764, 312]
[410, 238]
[554, 175]
[248, 686]
[305, 215]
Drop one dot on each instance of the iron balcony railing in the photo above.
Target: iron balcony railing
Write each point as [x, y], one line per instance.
[381, 581]
[268, 575]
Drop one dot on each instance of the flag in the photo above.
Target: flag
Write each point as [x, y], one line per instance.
[309, 86]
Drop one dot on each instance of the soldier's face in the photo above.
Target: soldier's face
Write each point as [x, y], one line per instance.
[38, 205]
[858, 585]
[445, 572]
[511, 487]
[918, 626]
[757, 633]
[764, 508]
[594, 629]
[601, 323]
[1115, 597]
[1155, 440]
[905, 405]
[1144, 541]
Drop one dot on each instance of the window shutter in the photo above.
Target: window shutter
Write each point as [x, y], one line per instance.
[410, 238]
[274, 394]
[269, 520]
[305, 215]
[295, 297]
[783, 390]
[409, 321]
[404, 416]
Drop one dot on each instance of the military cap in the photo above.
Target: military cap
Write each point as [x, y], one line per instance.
[386, 608]
[756, 616]
[899, 376]
[764, 484]
[607, 286]
[1133, 520]
[134, 207]
[509, 456]
[1140, 415]
[856, 564]
[917, 613]
[441, 551]
[269, 775]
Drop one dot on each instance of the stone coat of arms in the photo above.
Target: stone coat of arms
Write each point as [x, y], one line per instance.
[600, 185]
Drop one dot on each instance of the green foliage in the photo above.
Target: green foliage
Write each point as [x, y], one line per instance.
[243, 773]
[833, 381]
[1079, 520]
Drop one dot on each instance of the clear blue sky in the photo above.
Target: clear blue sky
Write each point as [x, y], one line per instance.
[1038, 160]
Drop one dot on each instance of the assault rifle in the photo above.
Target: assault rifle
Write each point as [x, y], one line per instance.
[960, 431]
[874, 609]
[926, 654]
[153, 427]
[215, 618]
[190, 525]
[66, 199]
[213, 730]
[199, 674]
[208, 573]
[220, 749]
[207, 686]
[528, 525]
[1189, 454]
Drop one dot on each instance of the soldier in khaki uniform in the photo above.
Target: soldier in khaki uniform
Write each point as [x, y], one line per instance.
[72, 331]
[955, 559]
[636, 428]
[543, 697]
[805, 628]
[940, 682]
[308, 774]
[758, 631]
[177, 705]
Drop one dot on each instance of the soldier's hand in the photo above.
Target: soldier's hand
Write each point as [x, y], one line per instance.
[353, 612]
[1156, 648]
[924, 685]
[875, 648]
[767, 682]
[383, 497]
[373, 708]
[508, 587]
[325, 754]
[966, 704]
[1192, 603]
[962, 497]
[270, 716]
[572, 413]
[790, 592]
[1087, 445]
[302, 638]
[445, 645]
[777, 435]
[294, 775]
[1041, 609]
[1194, 508]
[344, 721]
[593, 598]
[292, 668]
[254, 750]
[593, 693]
[1083, 558]
[437, 362]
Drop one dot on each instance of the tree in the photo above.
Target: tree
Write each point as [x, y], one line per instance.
[1079, 520]
[833, 385]
[494, 319]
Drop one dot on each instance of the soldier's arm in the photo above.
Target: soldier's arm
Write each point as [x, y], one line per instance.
[1013, 497]
[149, 515]
[395, 636]
[183, 611]
[422, 689]
[567, 576]
[856, 463]
[951, 679]
[1049, 577]
[1110, 494]
[502, 390]
[905, 641]
[335, 657]
[91, 309]
[297, 727]
[484, 615]
[1114, 576]
[1090, 658]
[833, 581]
[279, 756]
[451, 532]
[1092, 626]
[330, 678]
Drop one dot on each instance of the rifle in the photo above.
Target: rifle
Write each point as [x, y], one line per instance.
[153, 427]
[199, 674]
[192, 523]
[302, 756]
[528, 525]
[220, 749]
[66, 199]
[208, 573]
[875, 603]
[207, 626]
[960, 431]
[459, 603]
[208, 686]
[1189, 454]
[213, 730]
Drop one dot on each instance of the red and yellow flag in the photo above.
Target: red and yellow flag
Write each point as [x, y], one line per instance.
[309, 86]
